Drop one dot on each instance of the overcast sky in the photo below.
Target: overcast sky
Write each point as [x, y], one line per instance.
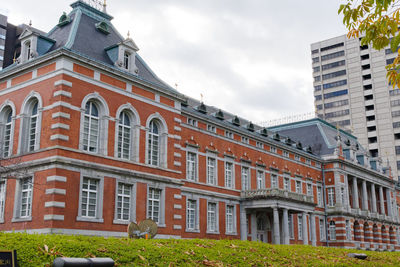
[249, 57]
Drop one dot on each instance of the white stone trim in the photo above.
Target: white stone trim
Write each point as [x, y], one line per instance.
[61, 115]
[177, 163]
[177, 128]
[62, 93]
[56, 178]
[60, 126]
[99, 201]
[177, 216]
[53, 217]
[63, 82]
[132, 208]
[55, 204]
[59, 137]
[177, 120]
[177, 206]
[178, 155]
[177, 196]
[177, 227]
[56, 191]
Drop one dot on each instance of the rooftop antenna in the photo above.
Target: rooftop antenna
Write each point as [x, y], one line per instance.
[105, 6]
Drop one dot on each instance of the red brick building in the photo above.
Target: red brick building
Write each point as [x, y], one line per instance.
[93, 139]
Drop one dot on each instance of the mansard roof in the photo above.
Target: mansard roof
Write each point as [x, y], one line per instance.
[82, 32]
[319, 134]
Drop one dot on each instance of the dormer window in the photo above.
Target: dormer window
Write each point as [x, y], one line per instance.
[27, 45]
[126, 60]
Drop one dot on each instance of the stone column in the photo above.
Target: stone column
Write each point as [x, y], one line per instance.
[243, 223]
[373, 198]
[286, 227]
[305, 232]
[389, 202]
[253, 226]
[313, 230]
[364, 195]
[277, 238]
[381, 200]
[355, 194]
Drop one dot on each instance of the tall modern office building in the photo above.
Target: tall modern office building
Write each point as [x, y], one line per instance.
[351, 91]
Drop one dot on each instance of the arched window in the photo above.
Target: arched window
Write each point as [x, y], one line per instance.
[28, 50]
[6, 121]
[33, 126]
[30, 124]
[91, 127]
[124, 136]
[153, 147]
[332, 230]
[127, 56]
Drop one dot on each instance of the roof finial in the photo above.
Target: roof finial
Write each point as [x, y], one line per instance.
[30, 23]
[201, 96]
[129, 35]
[105, 6]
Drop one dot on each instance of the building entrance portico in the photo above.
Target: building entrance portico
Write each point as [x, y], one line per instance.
[269, 214]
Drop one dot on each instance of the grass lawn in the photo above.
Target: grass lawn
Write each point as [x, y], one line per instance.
[40, 250]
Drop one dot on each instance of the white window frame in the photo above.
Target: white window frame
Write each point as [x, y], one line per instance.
[286, 183]
[93, 122]
[331, 197]
[161, 213]
[229, 183]
[272, 149]
[291, 226]
[322, 231]
[298, 187]
[7, 129]
[192, 166]
[246, 178]
[348, 230]
[212, 217]
[319, 196]
[212, 172]
[211, 128]
[153, 144]
[245, 140]
[124, 138]
[332, 230]
[192, 122]
[99, 199]
[3, 191]
[308, 161]
[17, 217]
[260, 179]
[192, 226]
[103, 117]
[309, 189]
[274, 180]
[233, 230]
[25, 137]
[162, 146]
[297, 157]
[132, 202]
[229, 134]
[151, 200]
[259, 145]
[300, 226]
[285, 154]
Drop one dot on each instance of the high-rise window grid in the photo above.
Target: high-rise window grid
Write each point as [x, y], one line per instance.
[333, 65]
[334, 84]
[334, 74]
[124, 194]
[332, 55]
[336, 93]
[154, 204]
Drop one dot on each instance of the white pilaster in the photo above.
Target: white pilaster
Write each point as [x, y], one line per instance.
[277, 238]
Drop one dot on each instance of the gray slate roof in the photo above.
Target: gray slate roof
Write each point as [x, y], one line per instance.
[320, 135]
[82, 37]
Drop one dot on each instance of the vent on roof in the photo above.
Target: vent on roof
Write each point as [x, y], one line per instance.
[184, 103]
[64, 20]
[236, 121]
[309, 150]
[299, 145]
[250, 127]
[264, 132]
[347, 142]
[276, 137]
[202, 108]
[219, 115]
[103, 27]
[288, 141]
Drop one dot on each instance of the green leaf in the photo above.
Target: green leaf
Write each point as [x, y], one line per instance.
[395, 43]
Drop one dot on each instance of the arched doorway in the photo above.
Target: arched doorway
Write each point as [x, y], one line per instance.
[357, 231]
[263, 229]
